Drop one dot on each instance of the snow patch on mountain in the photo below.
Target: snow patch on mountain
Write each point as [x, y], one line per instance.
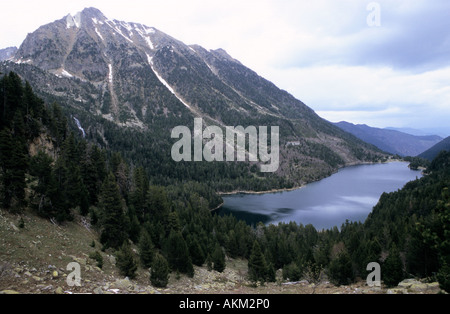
[110, 75]
[73, 21]
[97, 21]
[117, 29]
[66, 74]
[164, 82]
[99, 35]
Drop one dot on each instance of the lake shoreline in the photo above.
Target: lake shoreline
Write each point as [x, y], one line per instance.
[350, 195]
[273, 191]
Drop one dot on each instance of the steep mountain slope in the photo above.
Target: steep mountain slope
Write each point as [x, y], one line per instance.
[391, 141]
[134, 79]
[432, 153]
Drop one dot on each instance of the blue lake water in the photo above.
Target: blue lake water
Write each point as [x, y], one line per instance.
[349, 194]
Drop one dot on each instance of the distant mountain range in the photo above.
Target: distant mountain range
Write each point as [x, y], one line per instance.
[135, 78]
[431, 153]
[440, 131]
[391, 141]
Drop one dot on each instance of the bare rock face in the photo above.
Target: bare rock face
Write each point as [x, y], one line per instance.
[7, 53]
[413, 286]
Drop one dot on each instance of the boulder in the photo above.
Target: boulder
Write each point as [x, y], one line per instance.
[434, 287]
[13, 226]
[122, 284]
[37, 279]
[407, 283]
[415, 286]
[397, 291]
[112, 260]
[18, 270]
[9, 292]
[418, 287]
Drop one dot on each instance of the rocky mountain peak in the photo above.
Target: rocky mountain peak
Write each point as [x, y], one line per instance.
[85, 17]
[93, 13]
[136, 76]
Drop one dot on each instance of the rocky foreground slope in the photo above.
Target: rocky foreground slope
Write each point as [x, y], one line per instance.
[34, 261]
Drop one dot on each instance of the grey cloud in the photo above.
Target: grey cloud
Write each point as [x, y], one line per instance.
[414, 38]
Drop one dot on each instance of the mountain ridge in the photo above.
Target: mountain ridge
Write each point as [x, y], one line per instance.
[432, 153]
[140, 78]
[391, 141]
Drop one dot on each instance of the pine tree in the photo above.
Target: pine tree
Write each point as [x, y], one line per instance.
[84, 200]
[58, 124]
[392, 269]
[126, 261]
[19, 160]
[196, 252]
[218, 259]
[178, 254]
[271, 273]
[174, 222]
[138, 194]
[257, 268]
[146, 249]
[5, 167]
[134, 229]
[340, 270]
[443, 276]
[157, 206]
[112, 217]
[292, 272]
[46, 189]
[159, 275]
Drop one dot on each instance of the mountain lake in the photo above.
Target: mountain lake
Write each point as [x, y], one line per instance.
[350, 194]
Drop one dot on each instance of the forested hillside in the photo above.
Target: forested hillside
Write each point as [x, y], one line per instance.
[436, 149]
[49, 171]
[130, 85]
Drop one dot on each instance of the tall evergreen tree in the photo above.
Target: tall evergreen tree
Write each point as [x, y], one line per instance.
[392, 269]
[159, 275]
[218, 259]
[257, 268]
[16, 167]
[157, 207]
[6, 148]
[178, 254]
[146, 249]
[113, 232]
[196, 252]
[138, 194]
[341, 270]
[46, 191]
[126, 261]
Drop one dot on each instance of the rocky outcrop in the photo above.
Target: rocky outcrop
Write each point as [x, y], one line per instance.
[413, 286]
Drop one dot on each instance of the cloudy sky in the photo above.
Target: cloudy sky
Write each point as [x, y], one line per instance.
[383, 63]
